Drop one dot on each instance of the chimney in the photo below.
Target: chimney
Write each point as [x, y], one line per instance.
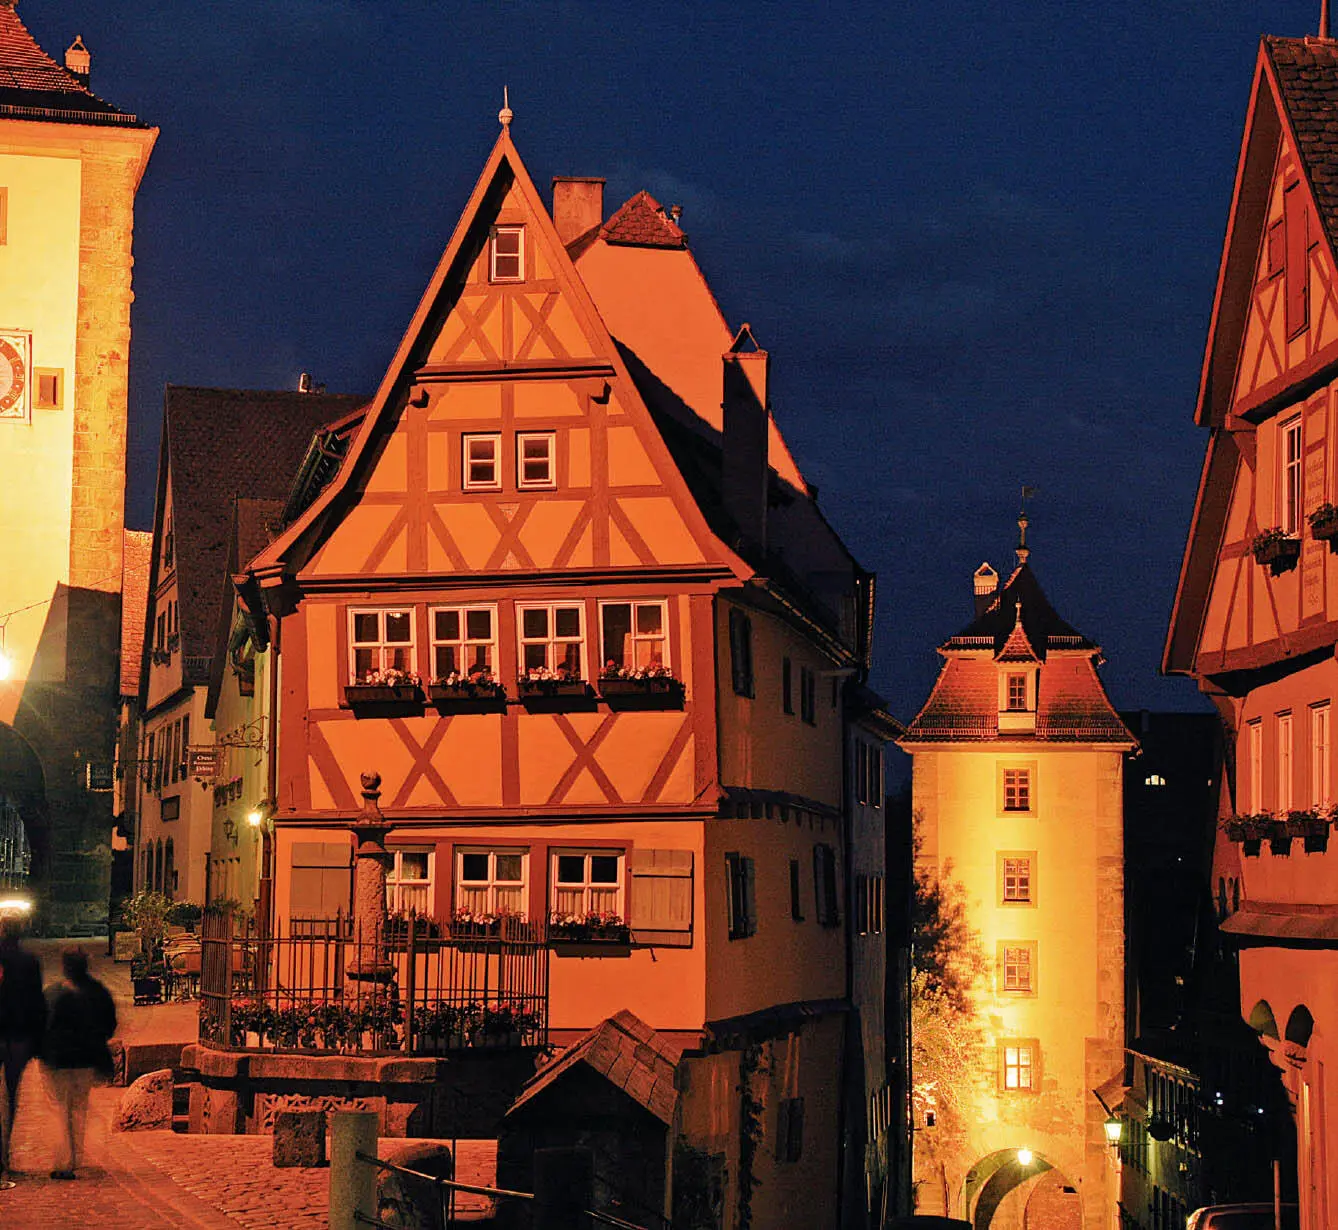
[77, 60]
[745, 440]
[578, 205]
[986, 586]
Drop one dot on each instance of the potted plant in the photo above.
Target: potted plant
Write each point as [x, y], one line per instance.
[1249, 830]
[388, 688]
[185, 914]
[542, 683]
[396, 928]
[146, 913]
[1276, 549]
[1324, 523]
[635, 683]
[476, 691]
[475, 924]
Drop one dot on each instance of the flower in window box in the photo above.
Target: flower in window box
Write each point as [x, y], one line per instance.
[1311, 826]
[540, 681]
[655, 678]
[1276, 549]
[475, 924]
[387, 687]
[1324, 523]
[472, 687]
[593, 927]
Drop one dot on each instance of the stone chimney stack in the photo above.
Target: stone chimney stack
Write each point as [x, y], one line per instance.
[745, 439]
[986, 586]
[578, 205]
[77, 60]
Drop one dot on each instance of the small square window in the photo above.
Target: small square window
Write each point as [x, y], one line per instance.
[491, 882]
[1017, 962]
[382, 641]
[1017, 693]
[1017, 1066]
[1016, 877]
[536, 464]
[464, 643]
[507, 254]
[1017, 790]
[588, 882]
[634, 635]
[482, 456]
[48, 388]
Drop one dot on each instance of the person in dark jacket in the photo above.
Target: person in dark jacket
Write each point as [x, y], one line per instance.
[81, 1018]
[22, 1019]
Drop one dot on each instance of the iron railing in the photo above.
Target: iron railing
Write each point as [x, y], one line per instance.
[324, 986]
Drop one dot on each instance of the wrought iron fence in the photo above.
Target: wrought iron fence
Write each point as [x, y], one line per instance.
[324, 986]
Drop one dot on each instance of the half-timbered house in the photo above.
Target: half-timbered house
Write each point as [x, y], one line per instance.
[1256, 612]
[564, 642]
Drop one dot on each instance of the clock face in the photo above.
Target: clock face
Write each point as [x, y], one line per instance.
[13, 380]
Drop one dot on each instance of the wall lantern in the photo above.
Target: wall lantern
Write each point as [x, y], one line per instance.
[1114, 1128]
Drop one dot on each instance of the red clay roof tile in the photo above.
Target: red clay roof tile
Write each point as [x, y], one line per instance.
[1307, 75]
[642, 223]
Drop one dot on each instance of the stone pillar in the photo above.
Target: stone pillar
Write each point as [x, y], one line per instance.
[369, 887]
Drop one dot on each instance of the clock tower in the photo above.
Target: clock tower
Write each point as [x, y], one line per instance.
[70, 164]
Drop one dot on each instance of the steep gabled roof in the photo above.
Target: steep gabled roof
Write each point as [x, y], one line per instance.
[33, 86]
[627, 1053]
[1041, 624]
[1306, 72]
[136, 564]
[643, 223]
[218, 445]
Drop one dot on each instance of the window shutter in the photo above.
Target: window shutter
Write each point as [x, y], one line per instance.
[1297, 274]
[824, 884]
[320, 885]
[661, 897]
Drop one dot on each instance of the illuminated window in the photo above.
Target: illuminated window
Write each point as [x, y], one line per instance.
[482, 455]
[507, 254]
[1017, 790]
[634, 634]
[1017, 1066]
[552, 639]
[1284, 799]
[1154, 779]
[1017, 693]
[380, 641]
[4, 216]
[409, 881]
[491, 882]
[1319, 755]
[1291, 477]
[1017, 879]
[464, 641]
[1016, 962]
[1255, 740]
[587, 882]
[536, 464]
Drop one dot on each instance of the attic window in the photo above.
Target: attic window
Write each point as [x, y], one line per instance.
[507, 254]
[1017, 692]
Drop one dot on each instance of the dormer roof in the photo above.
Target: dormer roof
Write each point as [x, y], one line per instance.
[1017, 648]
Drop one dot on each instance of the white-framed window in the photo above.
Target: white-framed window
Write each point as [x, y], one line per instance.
[506, 254]
[1284, 799]
[481, 463]
[552, 638]
[1319, 755]
[1018, 1063]
[634, 635]
[587, 882]
[1016, 961]
[380, 640]
[1017, 879]
[464, 640]
[491, 881]
[1017, 692]
[1254, 737]
[1017, 790]
[536, 459]
[409, 880]
[1291, 477]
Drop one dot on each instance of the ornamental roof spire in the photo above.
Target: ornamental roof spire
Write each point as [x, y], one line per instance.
[505, 115]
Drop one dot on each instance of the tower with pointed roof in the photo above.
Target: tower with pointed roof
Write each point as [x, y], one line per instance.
[1017, 788]
[70, 165]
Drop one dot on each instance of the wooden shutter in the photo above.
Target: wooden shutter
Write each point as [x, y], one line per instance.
[661, 897]
[1298, 246]
[320, 883]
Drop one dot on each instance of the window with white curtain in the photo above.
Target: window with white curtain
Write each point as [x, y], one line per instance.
[1319, 755]
[489, 881]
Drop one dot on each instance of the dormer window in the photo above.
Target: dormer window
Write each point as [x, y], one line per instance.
[506, 254]
[1017, 692]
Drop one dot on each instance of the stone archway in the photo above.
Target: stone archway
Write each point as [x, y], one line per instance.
[23, 792]
[1022, 1189]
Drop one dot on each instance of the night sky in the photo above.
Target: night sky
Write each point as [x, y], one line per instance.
[979, 240]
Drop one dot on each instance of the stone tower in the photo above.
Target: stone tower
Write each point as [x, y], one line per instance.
[1018, 790]
[70, 165]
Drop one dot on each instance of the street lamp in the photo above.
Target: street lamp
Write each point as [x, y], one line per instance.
[1024, 1157]
[1114, 1128]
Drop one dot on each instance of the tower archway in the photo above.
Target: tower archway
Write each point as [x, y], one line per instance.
[1030, 1184]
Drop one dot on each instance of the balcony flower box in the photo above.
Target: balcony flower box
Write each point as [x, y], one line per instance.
[1276, 550]
[645, 688]
[1324, 523]
[385, 693]
[467, 694]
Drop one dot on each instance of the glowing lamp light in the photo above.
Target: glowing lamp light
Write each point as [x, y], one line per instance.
[15, 905]
[1024, 1157]
[254, 818]
[6, 666]
[1114, 1129]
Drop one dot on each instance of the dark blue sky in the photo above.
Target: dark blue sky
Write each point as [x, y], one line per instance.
[980, 240]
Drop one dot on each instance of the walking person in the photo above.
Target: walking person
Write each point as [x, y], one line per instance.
[81, 1018]
[22, 1021]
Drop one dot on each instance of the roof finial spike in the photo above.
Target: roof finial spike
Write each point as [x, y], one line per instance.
[505, 115]
[1023, 551]
[1324, 18]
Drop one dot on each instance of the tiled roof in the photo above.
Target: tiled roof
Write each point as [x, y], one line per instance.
[1307, 74]
[136, 559]
[1017, 648]
[222, 444]
[642, 223]
[34, 86]
[625, 1051]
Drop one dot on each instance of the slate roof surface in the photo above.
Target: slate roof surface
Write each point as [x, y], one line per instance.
[136, 564]
[1043, 627]
[223, 444]
[1307, 74]
[626, 1052]
[31, 81]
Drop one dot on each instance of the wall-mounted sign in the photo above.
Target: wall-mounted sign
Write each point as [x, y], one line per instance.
[202, 762]
[15, 364]
[99, 775]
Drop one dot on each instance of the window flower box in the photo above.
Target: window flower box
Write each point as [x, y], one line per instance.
[648, 687]
[384, 693]
[589, 934]
[549, 685]
[467, 694]
[1311, 827]
[1276, 550]
[1250, 831]
[1324, 523]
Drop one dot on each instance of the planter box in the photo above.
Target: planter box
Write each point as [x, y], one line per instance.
[1250, 846]
[542, 689]
[466, 698]
[1280, 842]
[1278, 554]
[591, 948]
[1317, 843]
[664, 692]
[1325, 529]
[384, 700]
